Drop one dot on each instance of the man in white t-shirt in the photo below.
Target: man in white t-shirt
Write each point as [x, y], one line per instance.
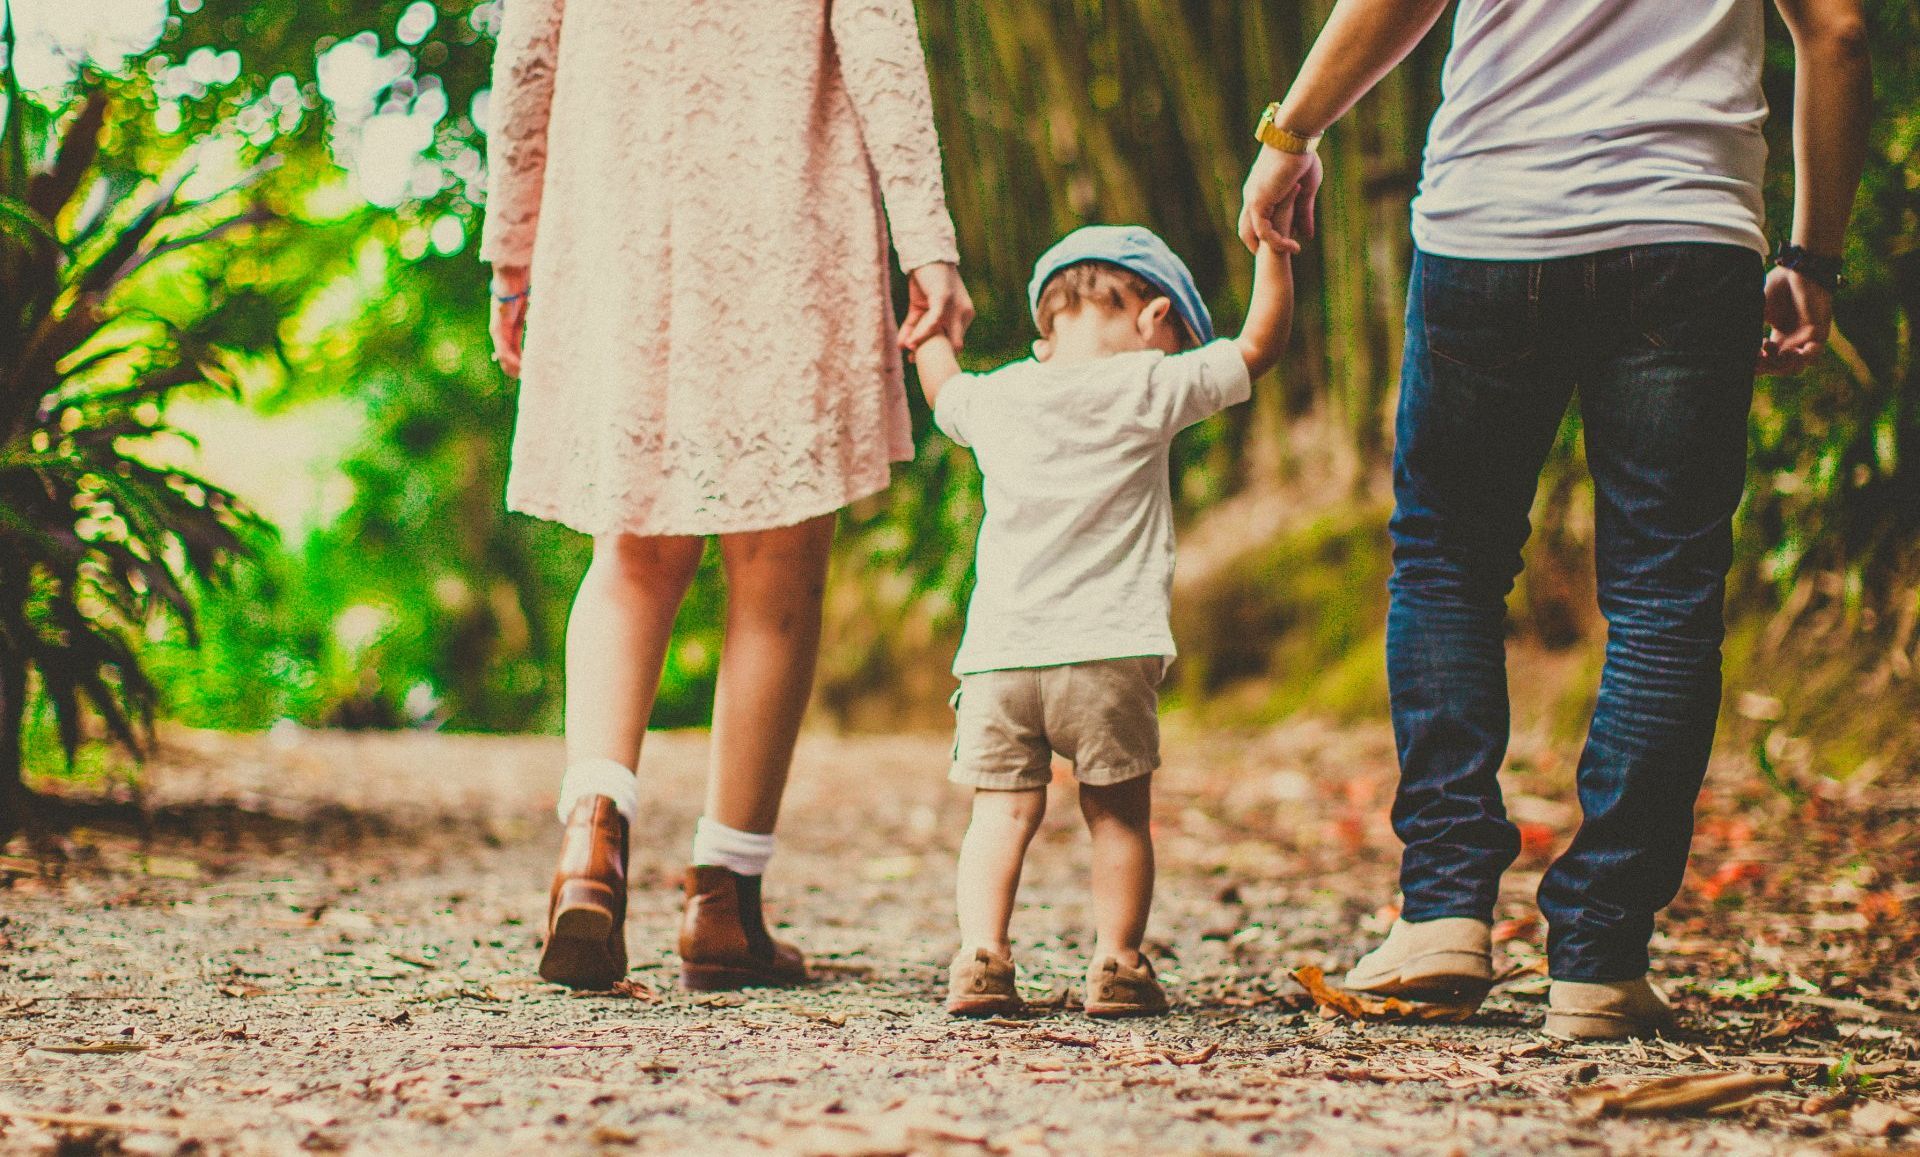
[1067, 633]
[1589, 218]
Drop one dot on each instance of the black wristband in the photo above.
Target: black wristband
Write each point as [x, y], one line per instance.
[1822, 270]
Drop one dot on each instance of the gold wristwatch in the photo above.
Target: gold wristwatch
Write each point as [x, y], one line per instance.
[1271, 134]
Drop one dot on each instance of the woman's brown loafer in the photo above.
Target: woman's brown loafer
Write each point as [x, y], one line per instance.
[723, 937]
[587, 905]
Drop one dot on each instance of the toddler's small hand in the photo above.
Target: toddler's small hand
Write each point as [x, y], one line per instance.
[1282, 244]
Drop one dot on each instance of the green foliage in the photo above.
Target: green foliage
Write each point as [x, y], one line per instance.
[1835, 484]
[426, 602]
[97, 544]
[1302, 609]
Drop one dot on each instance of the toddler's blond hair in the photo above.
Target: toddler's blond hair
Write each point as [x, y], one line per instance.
[1099, 283]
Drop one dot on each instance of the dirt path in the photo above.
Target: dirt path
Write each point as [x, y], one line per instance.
[343, 961]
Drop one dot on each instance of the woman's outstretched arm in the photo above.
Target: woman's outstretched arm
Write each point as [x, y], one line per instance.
[523, 66]
[886, 74]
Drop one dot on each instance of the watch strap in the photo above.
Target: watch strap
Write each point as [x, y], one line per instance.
[1820, 268]
[1272, 134]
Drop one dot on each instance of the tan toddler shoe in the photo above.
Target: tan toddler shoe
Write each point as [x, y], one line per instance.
[1445, 961]
[980, 983]
[1115, 989]
[1610, 1010]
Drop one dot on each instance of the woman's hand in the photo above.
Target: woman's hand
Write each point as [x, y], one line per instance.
[937, 302]
[508, 324]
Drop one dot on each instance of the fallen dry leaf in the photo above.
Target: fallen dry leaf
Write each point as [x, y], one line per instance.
[312, 1116]
[720, 1000]
[1670, 1096]
[1880, 1119]
[1522, 928]
[1355, 1007]
[173, 868]
[1228, 1111]
[1048, 1036]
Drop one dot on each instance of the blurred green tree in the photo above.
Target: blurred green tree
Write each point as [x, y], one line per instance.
[96, 544]
[1053, 113]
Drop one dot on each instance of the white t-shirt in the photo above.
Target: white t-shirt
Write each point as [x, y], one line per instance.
[1075, 558]
[1573, 126]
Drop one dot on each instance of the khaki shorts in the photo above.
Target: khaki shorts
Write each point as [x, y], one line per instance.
[1102, 715]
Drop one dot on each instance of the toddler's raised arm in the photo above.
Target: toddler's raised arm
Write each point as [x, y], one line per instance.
[937, 364]
[1270, 314]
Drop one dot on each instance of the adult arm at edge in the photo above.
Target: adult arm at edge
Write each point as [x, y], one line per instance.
[1832, 107]
[1832, 104]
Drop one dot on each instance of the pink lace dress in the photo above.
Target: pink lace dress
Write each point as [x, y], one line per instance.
[697, 186]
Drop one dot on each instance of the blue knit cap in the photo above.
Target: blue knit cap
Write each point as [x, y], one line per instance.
[1137, 250]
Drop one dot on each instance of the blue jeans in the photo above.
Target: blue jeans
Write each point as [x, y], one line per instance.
[1660, 342]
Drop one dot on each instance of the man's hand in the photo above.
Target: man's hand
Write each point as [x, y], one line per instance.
[1277, 201]
[1800, 315]
[937, 303]
[508, 324]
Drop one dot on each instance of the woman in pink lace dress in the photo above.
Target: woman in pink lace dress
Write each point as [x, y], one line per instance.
[685, 223]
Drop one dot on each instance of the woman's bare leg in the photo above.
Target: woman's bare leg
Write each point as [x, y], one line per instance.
[775, 582]
[617, 639]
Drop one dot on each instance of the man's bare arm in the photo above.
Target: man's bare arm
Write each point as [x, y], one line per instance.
[1832, 104]
[1363, 40]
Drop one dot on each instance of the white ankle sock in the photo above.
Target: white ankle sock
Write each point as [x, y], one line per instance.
[591, 777]
[716, 845]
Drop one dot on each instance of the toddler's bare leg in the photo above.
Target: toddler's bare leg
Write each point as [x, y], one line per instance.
[988, 875]
[617, 638]
[1118, 818]
[775, 581]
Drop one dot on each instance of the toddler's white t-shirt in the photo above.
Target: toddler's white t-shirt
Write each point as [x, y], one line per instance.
[1075, 558]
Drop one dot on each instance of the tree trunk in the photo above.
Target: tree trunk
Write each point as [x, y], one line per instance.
[14, 797]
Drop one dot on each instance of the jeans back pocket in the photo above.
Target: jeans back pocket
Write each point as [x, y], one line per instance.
[1482, 315]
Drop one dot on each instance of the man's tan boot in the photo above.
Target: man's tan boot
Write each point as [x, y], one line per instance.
[1445, 961]
[1609, 1010]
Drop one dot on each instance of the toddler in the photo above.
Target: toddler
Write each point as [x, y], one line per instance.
[1067, 637]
